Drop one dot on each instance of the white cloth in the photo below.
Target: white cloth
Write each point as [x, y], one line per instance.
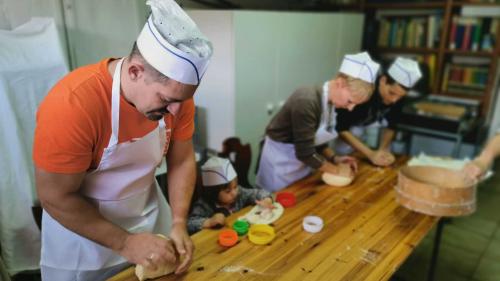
[172, 43]
[360, 66]
[31, 62]
[279, 167]
[217, 171]
[405, 71]
[122, 188]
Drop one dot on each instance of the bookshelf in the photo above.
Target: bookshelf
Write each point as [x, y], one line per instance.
[459, 44]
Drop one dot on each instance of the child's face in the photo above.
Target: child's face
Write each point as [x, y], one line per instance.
[227, 196]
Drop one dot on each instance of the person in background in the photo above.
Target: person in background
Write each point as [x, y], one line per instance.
[100, 134]
[221, 196]
[297, 137]
[477, 168]
[383, 109]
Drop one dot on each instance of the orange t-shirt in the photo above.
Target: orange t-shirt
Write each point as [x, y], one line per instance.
[74, 121]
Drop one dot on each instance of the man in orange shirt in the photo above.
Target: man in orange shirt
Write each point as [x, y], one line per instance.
[101, 132]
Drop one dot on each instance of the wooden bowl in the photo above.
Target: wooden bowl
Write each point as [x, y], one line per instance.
[436, 191]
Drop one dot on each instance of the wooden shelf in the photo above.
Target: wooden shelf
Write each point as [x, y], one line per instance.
[441, 53]
[402, 5]
[407, 50]
[470, 53]
[461, 95]
[484, 4]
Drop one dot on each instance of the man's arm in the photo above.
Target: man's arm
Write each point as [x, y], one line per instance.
[181, 180]
[377, 157]
[356, 143]
[60, 197]
[386, 139]
[478, 167]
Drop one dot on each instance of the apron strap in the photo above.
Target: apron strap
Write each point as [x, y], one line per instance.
[115, 104]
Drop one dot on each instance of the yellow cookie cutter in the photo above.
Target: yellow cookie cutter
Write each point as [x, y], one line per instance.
[261, 234]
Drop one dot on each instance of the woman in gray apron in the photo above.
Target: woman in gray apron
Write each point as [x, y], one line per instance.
[297, 137]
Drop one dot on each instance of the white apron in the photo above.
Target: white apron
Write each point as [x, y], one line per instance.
[124, 190]
[279, 167]
[366, 134]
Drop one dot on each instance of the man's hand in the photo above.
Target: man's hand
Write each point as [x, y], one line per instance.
[475, 169]
[382, 158]
[148, 250]
[184, 246]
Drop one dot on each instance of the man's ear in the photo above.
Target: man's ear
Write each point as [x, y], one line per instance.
[135, 71]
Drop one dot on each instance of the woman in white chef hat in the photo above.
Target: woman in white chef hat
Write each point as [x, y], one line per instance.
[382, 110]
[95, 172]
[298, 135]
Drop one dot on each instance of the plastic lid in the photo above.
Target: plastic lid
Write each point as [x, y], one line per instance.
[261, 234]
[286, 199]
[228, 237]
[241, 227]
[312, 224]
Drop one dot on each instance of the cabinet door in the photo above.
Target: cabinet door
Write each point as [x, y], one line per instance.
[311, 48]
[257, 37]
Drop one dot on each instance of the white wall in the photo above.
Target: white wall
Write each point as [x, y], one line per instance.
[215, 94]
[99, 29]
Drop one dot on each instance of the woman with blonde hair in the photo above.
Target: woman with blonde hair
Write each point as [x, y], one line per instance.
[297, 137]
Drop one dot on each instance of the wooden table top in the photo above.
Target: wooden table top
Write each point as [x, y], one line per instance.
[366, 236]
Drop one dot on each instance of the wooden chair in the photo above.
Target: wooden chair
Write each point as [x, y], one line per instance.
[240, 156]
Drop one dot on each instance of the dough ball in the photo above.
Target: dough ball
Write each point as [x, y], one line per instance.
[335, 180]
[144, 273]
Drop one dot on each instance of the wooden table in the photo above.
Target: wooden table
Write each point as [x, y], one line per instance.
[366, 236]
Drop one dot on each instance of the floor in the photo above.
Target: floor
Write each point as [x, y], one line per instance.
[470, 247]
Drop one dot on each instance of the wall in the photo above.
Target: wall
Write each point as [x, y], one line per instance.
[215, 95]
[99, 29]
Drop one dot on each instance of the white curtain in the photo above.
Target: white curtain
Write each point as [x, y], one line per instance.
[31, 62]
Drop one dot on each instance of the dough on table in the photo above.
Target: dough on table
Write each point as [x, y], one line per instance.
[144, 273]
[335, 180]
[260, 215]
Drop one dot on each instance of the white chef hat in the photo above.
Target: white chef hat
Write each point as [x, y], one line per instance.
[405, 71]
[360, 66]
[217, 171]
[172, 43]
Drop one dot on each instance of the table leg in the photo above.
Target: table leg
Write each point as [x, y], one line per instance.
[435, 249]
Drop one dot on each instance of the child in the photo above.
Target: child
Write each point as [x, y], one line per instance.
[221, 196]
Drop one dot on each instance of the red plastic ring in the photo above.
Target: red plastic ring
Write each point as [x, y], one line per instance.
[228, 238]
[286, 199]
